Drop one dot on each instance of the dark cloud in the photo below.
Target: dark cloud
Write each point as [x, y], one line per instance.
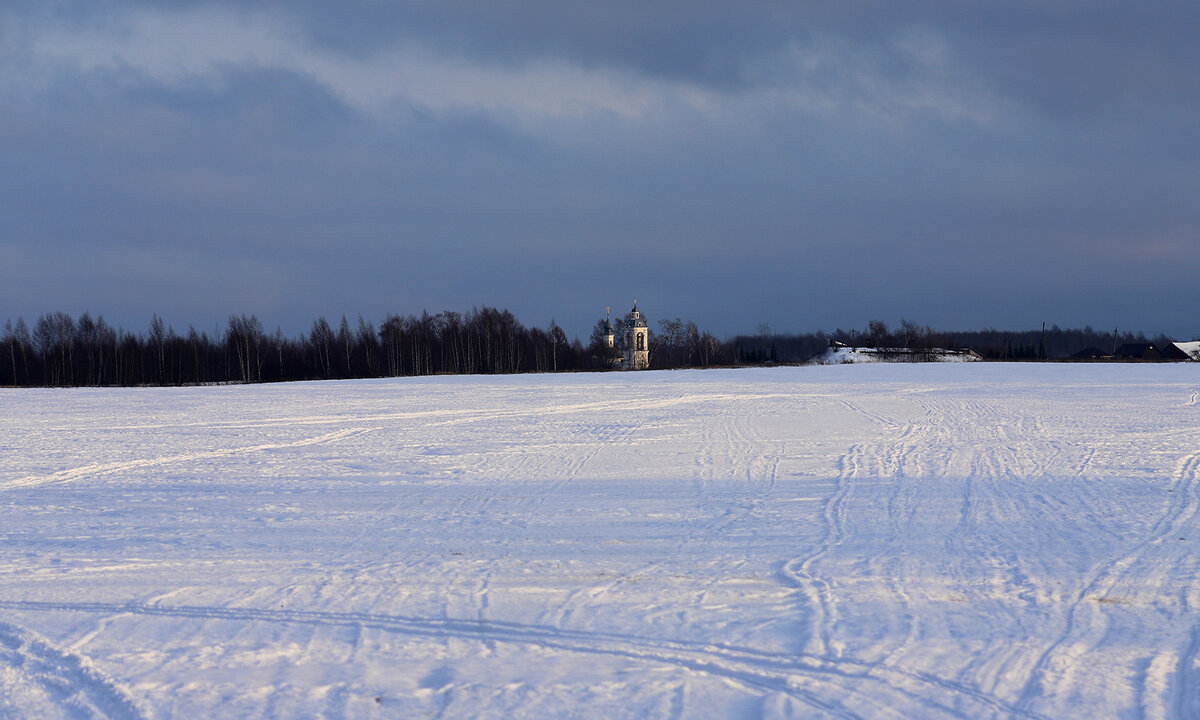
[963, 165]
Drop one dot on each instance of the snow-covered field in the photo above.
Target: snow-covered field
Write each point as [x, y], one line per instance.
[876, 541]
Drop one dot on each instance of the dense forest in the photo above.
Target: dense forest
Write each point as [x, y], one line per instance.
[60, 350]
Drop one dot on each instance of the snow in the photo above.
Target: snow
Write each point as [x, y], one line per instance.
[881, 541]
[845, 355]
[1191, 349]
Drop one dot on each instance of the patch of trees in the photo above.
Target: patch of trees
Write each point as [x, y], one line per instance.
[60, 350]
[677, 343]
[680, 343]
[1053, 343]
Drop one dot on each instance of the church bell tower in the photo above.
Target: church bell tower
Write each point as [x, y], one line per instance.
[637, 340]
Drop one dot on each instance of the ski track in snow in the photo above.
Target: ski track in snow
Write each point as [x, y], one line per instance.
[805, 677]
[1086, 623]
[438, 417]
[800, 571]
[818, 597]
[100, 469]
[1186, 702]
[42, 681]
[985, 465]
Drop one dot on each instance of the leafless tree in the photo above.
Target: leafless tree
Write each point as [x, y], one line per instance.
[322, 339]
[367, 345]
[877, 332]
[245, 338]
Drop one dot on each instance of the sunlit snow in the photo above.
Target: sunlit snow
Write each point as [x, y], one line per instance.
[878, 541]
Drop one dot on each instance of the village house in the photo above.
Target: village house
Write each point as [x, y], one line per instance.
[1137, 351]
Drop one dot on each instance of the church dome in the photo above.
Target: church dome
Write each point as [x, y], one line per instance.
[636, 316]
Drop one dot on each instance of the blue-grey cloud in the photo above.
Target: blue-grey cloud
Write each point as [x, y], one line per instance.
[961, 165]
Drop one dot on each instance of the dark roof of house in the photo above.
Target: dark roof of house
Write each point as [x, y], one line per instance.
[1135, 350]
[1181, 351]
[1092, 352]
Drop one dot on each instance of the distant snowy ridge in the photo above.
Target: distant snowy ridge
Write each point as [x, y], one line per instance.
[843, 355]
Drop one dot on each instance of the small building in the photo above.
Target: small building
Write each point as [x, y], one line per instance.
[1091, 353]
[1181, 351]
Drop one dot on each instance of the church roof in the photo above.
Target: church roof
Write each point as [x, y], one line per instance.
[638, 320]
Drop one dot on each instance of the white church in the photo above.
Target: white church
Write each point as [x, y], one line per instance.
[637, 340]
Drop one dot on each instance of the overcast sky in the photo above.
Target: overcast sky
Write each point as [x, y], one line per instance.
[807, 165]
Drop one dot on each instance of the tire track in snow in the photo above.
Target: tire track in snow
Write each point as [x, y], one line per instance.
[560, 469]
[799, 571]
[450, 415]
[991, 463]
[763, 467]
[445, 418]
[887, 457]
[736, 472]
[905, 470]
[87, 471]
[869, 414]
[40, 673]
[1085, 622]
[931, 462]
[601, 437]
[1185, 704]
[927, 454]
[720, 460]
[842, 688]
[738, 462]
[982, 465]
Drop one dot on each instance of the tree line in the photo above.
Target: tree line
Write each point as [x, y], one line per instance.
[61, 350]
[1052, 343]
